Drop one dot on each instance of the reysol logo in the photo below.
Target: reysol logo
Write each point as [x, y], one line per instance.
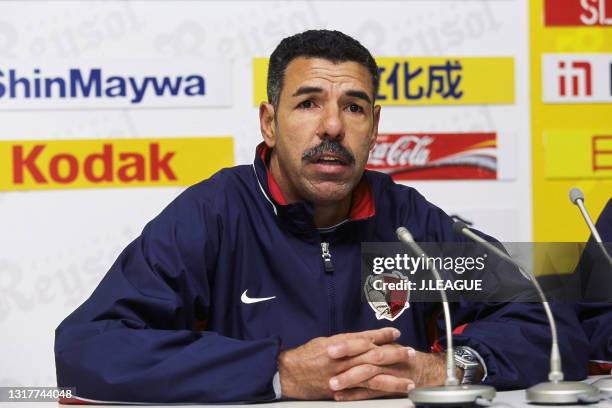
[26, 165]
[111, 84]
[388, 294]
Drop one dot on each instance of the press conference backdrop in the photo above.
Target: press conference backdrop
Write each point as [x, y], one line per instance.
[108, 110]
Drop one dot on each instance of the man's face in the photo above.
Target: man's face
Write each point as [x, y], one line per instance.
[323, 129]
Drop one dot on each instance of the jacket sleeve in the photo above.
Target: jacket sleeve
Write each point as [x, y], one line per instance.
[596, 321]
[513, 337]
[134, 339]
[514, 341]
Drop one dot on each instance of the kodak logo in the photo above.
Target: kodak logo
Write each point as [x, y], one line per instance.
[106, 166]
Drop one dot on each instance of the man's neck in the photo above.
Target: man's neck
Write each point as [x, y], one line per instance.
[328, 215]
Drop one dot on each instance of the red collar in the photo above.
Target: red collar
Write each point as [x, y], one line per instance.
[362, 202]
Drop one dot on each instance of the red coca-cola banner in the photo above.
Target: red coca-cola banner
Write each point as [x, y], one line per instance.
[435, 156]
[578, 12]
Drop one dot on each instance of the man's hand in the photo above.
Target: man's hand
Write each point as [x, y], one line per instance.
[305, 371]
[364, 380]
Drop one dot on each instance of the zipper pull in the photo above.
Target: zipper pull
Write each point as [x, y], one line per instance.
[329, 266]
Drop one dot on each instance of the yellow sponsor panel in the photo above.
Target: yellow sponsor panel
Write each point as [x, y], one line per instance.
[602, 142]
[66, 164]
[578, 154]
[429, 81]
[554, 217]
[604, 162]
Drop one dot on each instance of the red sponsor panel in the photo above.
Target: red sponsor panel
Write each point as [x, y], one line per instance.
[435, 156]
[578, 12]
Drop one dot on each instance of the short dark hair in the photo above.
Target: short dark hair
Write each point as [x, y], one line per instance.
[333, 46]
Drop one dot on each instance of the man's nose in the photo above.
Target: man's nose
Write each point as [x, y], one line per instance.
[331, 125]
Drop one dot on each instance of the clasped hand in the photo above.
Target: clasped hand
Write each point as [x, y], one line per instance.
[354, 366]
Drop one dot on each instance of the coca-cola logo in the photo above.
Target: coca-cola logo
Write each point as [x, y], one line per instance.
[409, 150]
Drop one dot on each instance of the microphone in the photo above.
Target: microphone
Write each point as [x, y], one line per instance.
[451, 392]
[577, 198]
[555, 391]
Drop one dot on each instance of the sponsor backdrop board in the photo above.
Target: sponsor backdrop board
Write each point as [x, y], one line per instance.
[578, 155]
[119, 83]
[96, 96]
[577, 78]
[578, 13]
[430, 81]
[62, 164]
[435, 156]
[571, 74]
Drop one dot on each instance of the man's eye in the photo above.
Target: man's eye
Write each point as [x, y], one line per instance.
[306, 104]
[354, 108]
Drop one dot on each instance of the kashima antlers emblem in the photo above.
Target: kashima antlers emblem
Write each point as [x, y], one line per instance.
[387, 294]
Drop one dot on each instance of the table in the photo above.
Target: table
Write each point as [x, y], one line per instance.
[503, 399]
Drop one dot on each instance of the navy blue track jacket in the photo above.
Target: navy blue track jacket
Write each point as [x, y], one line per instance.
[166, 324]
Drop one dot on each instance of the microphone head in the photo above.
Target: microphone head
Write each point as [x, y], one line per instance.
[576, 194]
[459, 226]
[403, 234]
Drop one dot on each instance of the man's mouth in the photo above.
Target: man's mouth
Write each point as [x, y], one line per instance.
[329, 159]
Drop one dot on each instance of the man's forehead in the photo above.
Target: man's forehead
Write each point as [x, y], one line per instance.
[309, 71]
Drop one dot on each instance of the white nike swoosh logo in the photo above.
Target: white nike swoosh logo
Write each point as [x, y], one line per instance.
[248, 300]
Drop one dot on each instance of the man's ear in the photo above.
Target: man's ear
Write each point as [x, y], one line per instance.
[267, 124]
[375, 126]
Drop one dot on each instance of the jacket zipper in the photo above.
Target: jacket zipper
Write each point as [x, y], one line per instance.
[329, 272]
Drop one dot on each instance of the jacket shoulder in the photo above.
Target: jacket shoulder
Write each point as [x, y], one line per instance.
[205, 199]
[214, 189]
[407, 207]
[400, 195]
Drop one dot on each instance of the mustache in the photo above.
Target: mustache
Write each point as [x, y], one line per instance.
[329, 146]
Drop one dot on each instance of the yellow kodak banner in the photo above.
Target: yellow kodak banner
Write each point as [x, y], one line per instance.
[578, 154]
[429, 81]
[65, 164]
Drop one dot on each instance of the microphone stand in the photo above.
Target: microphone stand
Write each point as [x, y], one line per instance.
[451, 393]
[555, 390]
[577, 197]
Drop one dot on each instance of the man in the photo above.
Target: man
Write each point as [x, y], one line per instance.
[247, 287]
